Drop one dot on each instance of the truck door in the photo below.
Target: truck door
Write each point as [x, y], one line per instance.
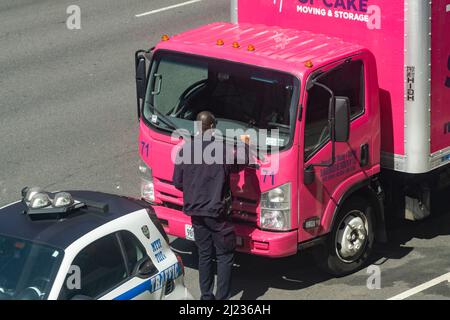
[347, 79]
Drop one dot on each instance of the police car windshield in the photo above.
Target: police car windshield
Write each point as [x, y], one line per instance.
[27, 269]
[242, 97]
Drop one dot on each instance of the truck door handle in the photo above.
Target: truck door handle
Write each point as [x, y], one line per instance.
[364, 158]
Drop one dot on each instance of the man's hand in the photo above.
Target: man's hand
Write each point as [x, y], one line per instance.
[245, 138]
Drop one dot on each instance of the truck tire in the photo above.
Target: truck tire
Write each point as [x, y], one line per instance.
[349, 245]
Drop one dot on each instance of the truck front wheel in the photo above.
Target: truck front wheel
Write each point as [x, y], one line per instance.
[349, 245]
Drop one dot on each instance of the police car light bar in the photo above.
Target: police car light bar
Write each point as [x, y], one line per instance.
[51, 212]
[39, 206]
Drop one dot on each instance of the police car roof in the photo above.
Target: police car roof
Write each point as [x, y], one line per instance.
[62, 233]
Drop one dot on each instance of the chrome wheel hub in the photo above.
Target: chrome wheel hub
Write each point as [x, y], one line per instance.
[352, 237]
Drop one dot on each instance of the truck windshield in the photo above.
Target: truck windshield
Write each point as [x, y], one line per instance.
[241, 97]
[27, 269]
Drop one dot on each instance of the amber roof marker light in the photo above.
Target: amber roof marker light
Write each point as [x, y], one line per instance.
[309, 64]
[251, 48]
[220, 43]
[165, 37]
[236, 45]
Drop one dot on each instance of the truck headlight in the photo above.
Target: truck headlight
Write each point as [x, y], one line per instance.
[147, 187]
[276, 208]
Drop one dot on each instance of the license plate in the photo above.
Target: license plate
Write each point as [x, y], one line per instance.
[189, 232]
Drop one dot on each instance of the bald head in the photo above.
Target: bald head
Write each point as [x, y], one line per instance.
[207, 119]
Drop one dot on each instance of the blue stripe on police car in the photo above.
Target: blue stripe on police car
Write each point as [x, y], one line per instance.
[153, 284]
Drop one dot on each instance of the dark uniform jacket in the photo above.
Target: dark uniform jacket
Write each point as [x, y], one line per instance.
[205, 186]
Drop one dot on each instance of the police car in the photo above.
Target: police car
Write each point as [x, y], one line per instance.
[82, 245]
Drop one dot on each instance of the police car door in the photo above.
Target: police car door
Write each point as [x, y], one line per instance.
[141, 269]
[152, 264]
[115, 266]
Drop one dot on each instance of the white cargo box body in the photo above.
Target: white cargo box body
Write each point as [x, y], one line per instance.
[411, 42]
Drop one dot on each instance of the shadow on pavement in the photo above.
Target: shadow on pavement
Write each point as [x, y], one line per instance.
[436, 225]
[254, 275]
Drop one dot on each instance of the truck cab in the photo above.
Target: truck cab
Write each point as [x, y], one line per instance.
[316, 99]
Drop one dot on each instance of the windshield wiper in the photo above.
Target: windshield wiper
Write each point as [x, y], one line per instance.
[164, 118]
[280, 126]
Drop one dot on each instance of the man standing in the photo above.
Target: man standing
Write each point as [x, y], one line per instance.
[207, 196]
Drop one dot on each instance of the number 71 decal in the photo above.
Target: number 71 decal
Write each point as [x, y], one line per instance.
[144, 147]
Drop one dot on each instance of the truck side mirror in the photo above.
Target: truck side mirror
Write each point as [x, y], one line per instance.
[141, 79]
[342, 119]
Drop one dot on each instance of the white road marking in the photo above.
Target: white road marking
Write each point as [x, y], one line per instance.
[422, 287]
[167, 8]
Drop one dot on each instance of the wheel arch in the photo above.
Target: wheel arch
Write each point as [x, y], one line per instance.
[370, 190]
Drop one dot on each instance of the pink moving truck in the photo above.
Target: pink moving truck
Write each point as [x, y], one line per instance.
[359, 92]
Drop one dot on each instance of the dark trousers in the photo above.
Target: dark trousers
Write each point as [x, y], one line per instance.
[218, 234]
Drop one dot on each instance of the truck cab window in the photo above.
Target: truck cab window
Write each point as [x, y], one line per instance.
[317, 130]
[346, 81]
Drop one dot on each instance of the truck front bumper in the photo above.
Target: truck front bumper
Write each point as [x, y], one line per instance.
[250, 239]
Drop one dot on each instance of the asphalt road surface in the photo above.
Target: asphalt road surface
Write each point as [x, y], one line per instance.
[68, 121]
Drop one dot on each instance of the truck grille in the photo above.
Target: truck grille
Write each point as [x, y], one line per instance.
[236, 216]
[172, 206]
[244, 217]
[240, 215]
